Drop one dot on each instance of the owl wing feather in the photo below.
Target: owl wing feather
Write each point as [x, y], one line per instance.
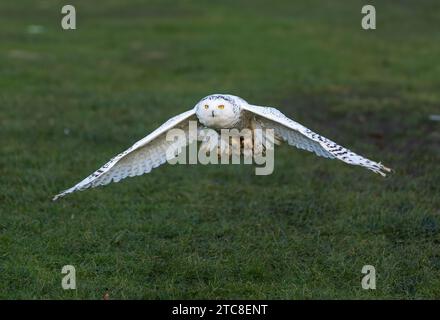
[301, 137]
[145, 155]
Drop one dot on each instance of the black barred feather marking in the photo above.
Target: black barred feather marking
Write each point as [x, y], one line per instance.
[301, 137]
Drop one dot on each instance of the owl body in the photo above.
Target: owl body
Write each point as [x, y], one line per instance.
[220, 111]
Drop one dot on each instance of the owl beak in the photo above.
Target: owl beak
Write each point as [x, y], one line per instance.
[213, 113]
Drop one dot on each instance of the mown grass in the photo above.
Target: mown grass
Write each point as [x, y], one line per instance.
[70, 100]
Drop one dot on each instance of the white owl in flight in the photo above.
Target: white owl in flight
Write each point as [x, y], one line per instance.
[218, 111]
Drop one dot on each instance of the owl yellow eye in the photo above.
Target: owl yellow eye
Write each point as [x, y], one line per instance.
[221, 107]
[206, 106]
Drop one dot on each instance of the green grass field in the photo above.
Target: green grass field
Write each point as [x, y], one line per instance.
[70, 100]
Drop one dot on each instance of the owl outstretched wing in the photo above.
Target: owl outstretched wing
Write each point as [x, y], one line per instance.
[145, 155]
[301, 137]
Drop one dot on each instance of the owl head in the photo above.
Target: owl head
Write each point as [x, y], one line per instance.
[218, 111]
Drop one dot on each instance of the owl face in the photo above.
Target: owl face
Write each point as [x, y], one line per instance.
[217, 111]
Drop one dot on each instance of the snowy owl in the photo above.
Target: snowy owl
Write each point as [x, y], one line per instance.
[218, 111]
